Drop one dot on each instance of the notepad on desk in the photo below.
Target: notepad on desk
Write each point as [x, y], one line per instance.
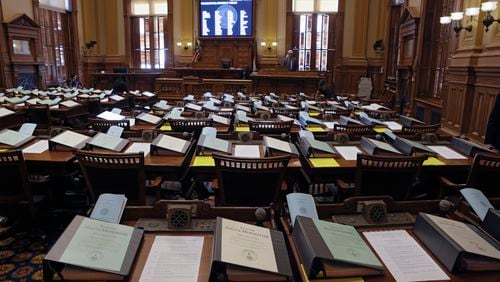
[203, 161]
[37, 148]
[447, 153]
[247, 151]
[108, 142]
[138, 147]
[244, 128]
[349, 153]
[323, 162]
[433, 161]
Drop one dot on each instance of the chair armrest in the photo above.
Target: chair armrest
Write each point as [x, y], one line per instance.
[448, 184]
[346, 190]
[153, 183]
[344, 185]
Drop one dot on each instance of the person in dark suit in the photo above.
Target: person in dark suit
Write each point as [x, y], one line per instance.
[119, 86]
[492, 136]
[325, 89]
[74, 82]
[290, 61]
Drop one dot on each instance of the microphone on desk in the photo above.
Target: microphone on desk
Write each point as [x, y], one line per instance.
[284, 135]
[260, 216]
[446, 206]
[186, 134]
[379, 137]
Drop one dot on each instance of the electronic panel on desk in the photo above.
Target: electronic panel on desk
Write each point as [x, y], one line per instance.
[226, 18]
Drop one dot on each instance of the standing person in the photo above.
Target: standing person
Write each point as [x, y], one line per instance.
[326, 89]
[492, 136]
[74, 82]
[290, 61]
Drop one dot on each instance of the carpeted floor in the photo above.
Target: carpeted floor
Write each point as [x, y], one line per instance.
[21, 257]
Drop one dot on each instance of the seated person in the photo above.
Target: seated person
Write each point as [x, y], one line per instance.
[325, 89]
[119, 86]
[74, 82]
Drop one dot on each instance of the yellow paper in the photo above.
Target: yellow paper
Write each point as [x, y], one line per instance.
[380, 129]
[166, 127]
[350, 279]
[433, 161]
[4, 150]
[203, 161]
[316, 129]
[314, 114]
[324, 162]
[244, 128]
[358, 112]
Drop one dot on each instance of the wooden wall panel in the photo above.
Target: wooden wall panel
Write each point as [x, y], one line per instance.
[484, 99]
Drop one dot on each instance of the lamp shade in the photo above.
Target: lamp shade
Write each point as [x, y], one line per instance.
[457, 16]
[489, 6]
[445, 20]
[473, 11]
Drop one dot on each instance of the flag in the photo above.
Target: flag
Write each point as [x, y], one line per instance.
[197, 52]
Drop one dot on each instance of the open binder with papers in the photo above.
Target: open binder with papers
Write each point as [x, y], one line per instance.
[68, 141]
[97, 245]
[245, 252]
[329, 250]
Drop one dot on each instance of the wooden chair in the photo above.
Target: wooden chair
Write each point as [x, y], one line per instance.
[353, 129]
[483, 175]
[394, 176]
[271, 127]
[39, 114]
[16, 187]
[115, 173]
[249, 182]
[102, 125]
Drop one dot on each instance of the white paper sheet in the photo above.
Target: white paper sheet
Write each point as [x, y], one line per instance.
[110, 116]
[447, 153]
[173, 259]
[139, 147]
[349, 153]
[393, 125]
[37, 148]
[115, 131]
[404, 257]
[247, 151]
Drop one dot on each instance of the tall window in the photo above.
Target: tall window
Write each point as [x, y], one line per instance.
[313, 41]
[148, 33]
[314, 26]
[52, 25]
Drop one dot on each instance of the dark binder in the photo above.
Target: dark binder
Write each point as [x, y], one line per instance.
[344, 120]
[317, 149]
[20, 141]
[467, 147]
[317, 258]
[491, 223]
[157, 148]
[410, 148]
[57, 251]
[375, 147]
[117, 145]
[57, 146]
[409, 121]
[450, 253]
[242, 273]
[277, 150]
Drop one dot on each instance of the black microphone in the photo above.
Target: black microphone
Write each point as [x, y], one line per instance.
[260, 216]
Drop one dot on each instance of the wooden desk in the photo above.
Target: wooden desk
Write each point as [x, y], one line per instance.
[174, 89]
[13, 120]
[201, 211]
[231, 73]
[135, 81]
[285, 81]
[325, 212]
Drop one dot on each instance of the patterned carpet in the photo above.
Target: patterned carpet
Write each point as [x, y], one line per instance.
[21, 258]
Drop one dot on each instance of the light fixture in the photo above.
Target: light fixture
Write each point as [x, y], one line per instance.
[445, 20]
[489, 7]
[458, 17]
[268, 45]
[471, 12]
[186, 45]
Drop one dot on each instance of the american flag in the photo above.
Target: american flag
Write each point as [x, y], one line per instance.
[197, 53]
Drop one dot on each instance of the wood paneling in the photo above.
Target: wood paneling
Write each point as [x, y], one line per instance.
[174, 89]
[240, 51]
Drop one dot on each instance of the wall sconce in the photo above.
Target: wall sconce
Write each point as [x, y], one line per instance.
[489, 7]
[186, 45]
[458, 17]
[268, 45]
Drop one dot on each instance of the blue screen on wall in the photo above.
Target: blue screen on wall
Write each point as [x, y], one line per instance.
[226, 18]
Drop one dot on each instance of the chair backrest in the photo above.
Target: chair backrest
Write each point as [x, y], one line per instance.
[292, 113]
[15, 185]
[249, 182]
[394, 176]
[484, 174]
[114, 173]
[420, 129]
[189, 125]
[267, 127]
[39, 114]
[353, 129]
[102, 125]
